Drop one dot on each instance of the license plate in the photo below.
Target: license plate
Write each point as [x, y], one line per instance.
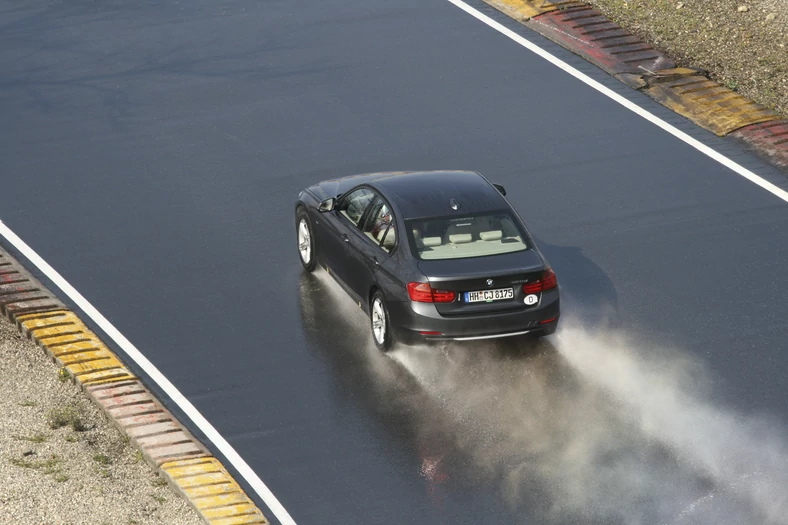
[489, 295]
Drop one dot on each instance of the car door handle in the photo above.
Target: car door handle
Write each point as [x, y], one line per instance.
[345, 237]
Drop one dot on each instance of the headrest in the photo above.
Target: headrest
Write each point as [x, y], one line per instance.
[460, 238]
[431, 241]
[492, 235]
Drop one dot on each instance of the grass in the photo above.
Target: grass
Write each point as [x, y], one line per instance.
[26, 463]
[158, 481]
[28, 404]
[63, 375]
[66, 416]
[35, 438]
[72, 438]
[102, 459]
[47, 465]
[52, 466]
[159, 499]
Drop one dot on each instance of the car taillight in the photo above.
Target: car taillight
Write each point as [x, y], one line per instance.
[549, 279]
[420, 292]
[547, 282]
[443, 296]
[424, 293]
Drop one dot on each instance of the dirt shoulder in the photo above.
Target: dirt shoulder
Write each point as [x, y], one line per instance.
[743, 45]
[61, 461]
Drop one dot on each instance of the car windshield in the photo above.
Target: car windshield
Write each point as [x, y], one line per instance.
[461, 237]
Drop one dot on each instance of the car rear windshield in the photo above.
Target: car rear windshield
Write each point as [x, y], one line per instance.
[463, 237]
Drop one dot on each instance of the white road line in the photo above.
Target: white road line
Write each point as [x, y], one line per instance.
[210, 432]
[706, 150]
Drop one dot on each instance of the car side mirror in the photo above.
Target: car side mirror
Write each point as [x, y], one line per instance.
[500, 188]
[327, 205]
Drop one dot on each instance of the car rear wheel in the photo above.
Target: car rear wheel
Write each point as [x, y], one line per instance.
[380, 324]
[306, 241]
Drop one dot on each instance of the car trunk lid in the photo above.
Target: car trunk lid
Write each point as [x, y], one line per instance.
[479, 274]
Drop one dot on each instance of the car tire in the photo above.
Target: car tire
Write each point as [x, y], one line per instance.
[380, 323]
[305, 239]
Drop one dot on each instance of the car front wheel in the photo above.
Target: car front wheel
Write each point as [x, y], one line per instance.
[379, 321]
[306, 240]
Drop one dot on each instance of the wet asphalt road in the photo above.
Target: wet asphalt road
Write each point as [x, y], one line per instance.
[152, 153]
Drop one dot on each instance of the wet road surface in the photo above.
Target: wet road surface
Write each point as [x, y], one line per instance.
[171, 139]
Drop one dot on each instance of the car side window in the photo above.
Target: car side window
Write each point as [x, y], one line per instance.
[355, 203]
[379, 226]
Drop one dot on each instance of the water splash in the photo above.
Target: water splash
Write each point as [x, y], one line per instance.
[606, 430]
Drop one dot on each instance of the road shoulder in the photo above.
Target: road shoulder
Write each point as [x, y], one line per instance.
[82, 472]
[182, 461]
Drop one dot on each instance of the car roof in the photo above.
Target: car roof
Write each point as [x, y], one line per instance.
[428, 193]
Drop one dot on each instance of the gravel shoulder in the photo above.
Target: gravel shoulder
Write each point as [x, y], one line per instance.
[742, 44]
[82, 473]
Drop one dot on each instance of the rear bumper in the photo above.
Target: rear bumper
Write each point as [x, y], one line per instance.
[410, 319]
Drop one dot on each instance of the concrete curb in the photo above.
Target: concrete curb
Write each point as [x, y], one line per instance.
[769, 139]
[580, 28]
[163, 441]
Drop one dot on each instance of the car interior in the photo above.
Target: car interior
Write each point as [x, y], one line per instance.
[379, 227]
[438, 238]
[466, 237]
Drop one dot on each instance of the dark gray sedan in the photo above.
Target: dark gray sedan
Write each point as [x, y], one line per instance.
[429, 256]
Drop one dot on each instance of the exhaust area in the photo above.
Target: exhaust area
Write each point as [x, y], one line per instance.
[606, 431]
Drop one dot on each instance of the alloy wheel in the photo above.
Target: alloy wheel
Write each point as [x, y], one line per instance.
[304, 242]
[378, 322]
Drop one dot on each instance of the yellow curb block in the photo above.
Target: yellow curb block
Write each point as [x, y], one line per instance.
[688, 92]
[522, 10]
[710, 105]
[131, 407]
[212, 491]
[74, 346]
